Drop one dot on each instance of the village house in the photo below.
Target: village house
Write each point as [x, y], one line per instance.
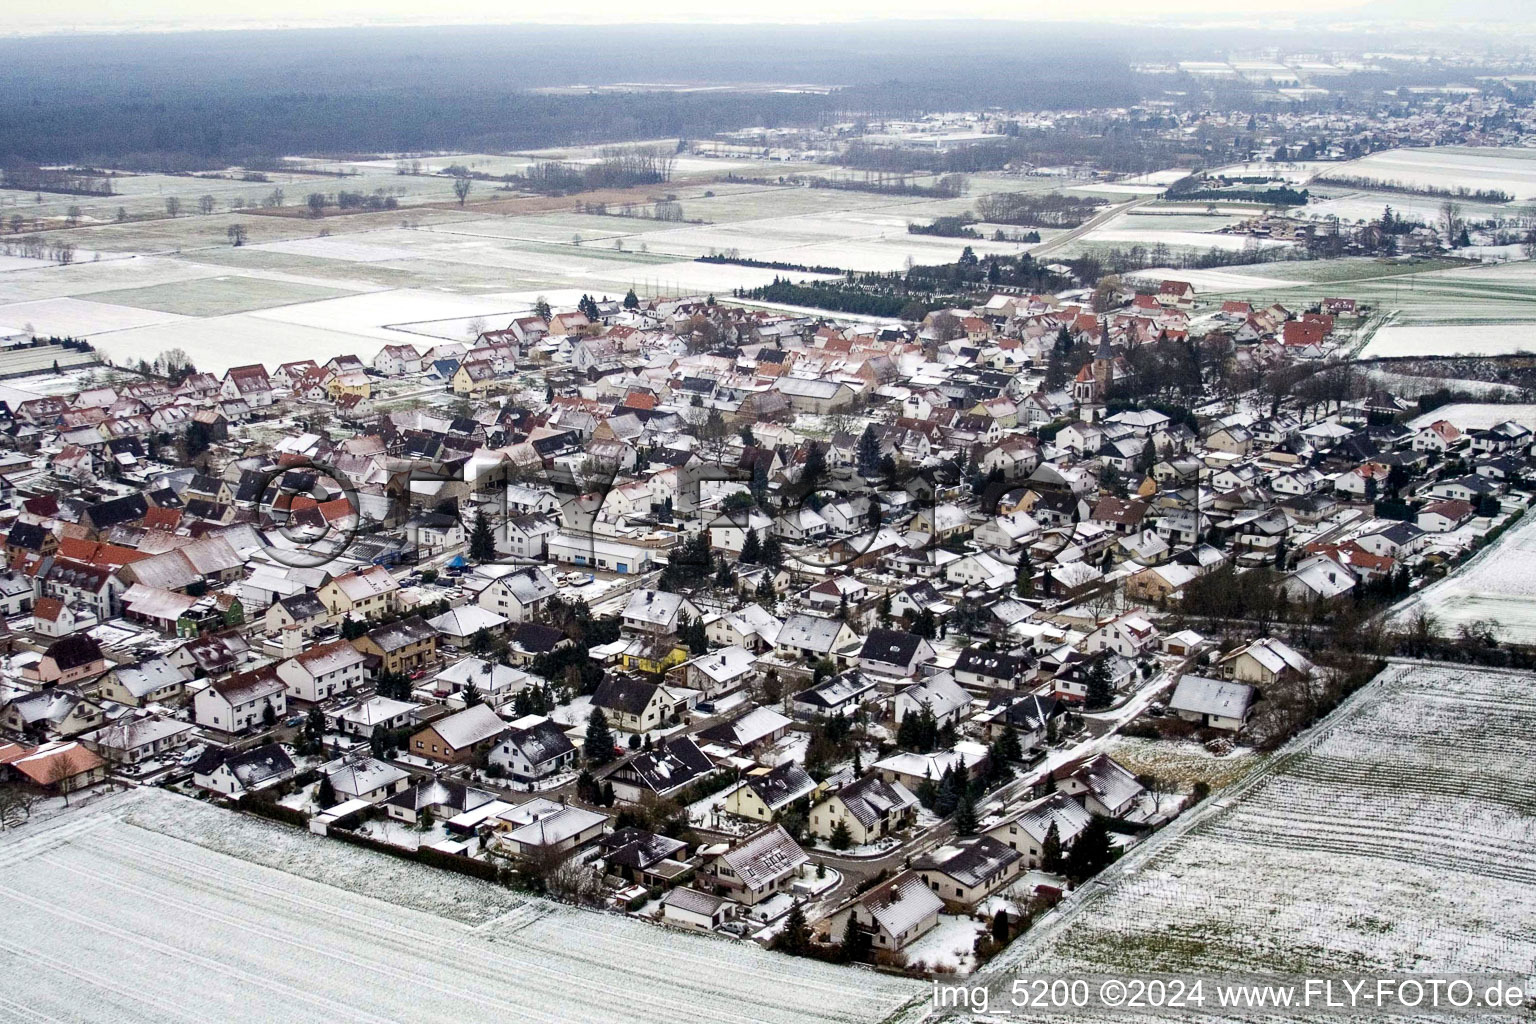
[460, 737]
[532, 749]
[404, 646]
[324, 671]
[763, 865]
[240, 702]
[1212, 703]
[966, 871]
[894, 914]
[870, 808]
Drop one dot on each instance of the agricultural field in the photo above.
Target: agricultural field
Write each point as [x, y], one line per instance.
[1393, 837]
[348, 283]
[1496, 588]
[183, 911]
[1477, 415]
[1434, 307]
[1508, 170]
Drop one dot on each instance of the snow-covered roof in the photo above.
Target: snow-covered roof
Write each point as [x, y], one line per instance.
[475, 724]
[901, 904]
[1202, 696]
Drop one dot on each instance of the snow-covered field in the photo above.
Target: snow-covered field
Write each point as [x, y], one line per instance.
[1396, 837]
[1485, 339]
[1477, 415]
[78, 317]
[1509, 170]
[1498, 586]
[155, 907]
[1218, 280]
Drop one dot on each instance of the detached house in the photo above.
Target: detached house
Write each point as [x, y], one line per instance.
[534, 748]
[240, 702]
[324, 671]
[634, 705]
[363, 594]
[460, 737]
[871, 808]
[764, 864]
[964, 872]
[893, 914]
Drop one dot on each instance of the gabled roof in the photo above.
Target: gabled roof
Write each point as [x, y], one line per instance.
[540, 742]
[871, 798]
[891, 647]
[969, 861]
[671, 766]
[901, 904]
[781, 786]
[475, 724]
[765, 857]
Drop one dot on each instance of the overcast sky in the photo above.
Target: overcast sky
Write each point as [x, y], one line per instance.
[181, 15]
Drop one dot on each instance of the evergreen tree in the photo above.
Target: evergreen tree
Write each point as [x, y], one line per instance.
[1050, 850]
[325, 793]
[472, 695]
[765, 592]
[599, 743]
[841, 838]
[856, 945]
[1008, 745]
[795, 939]
[1101, 688]
[1092, 852]
[482, 540]
[1023, 576]
[868, 452]
[772, 553]
[696, 637]
[631, 300]
[815, 469]
[1000, 926]
[724, 578]
[588, 308]
[751, 548]
[926, 625]
[965, 816]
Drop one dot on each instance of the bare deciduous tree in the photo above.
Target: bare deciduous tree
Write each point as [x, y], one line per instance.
[236, 234]
[205, 204]
[461, 186]
[173, 206]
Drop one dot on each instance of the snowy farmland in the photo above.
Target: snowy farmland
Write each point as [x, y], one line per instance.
[347, 284]
[1394, 837]
[1508, 170]
[150, 906]
[1498, 586]
[1402, 340]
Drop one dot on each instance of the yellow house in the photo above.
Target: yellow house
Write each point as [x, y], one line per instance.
[364, 594]
[766, 792]
[475, 378]
[643, 657]
[353, 382]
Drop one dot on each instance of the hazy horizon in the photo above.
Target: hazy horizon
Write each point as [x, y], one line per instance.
[162, 16]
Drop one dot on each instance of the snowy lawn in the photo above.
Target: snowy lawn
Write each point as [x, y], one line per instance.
[950, 946]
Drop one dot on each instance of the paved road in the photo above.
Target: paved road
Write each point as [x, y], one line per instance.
[1097, 220]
